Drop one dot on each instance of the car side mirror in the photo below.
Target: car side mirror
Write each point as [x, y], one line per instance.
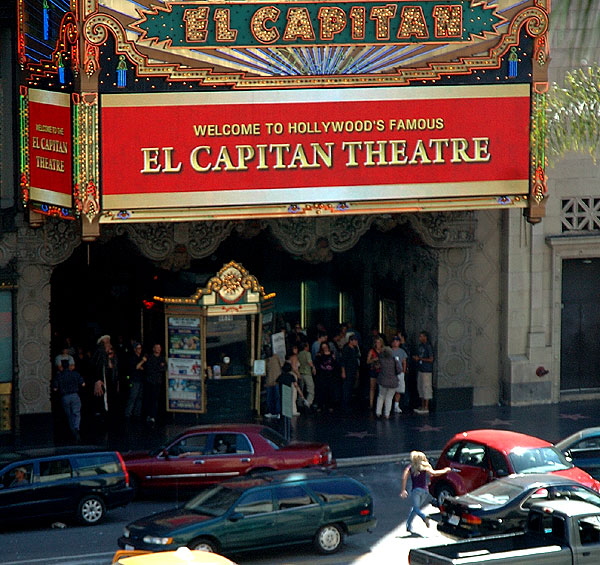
[164, 453]
[236, 516]
[501, 473]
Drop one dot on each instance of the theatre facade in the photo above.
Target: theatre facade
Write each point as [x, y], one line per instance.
[381, 163]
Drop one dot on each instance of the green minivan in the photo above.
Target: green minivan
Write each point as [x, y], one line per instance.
[267, 510]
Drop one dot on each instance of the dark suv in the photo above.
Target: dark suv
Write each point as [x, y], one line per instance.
[267, 510]
[40, 483]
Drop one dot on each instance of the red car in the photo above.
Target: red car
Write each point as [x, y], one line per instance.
[205, 455]
[480, 456]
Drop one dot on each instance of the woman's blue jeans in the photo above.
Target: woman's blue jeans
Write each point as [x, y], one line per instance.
[419, 497]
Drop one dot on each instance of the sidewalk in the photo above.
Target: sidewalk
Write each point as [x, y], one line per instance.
[362, 435]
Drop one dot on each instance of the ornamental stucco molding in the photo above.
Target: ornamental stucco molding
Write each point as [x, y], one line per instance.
[316, 240]
[173, 245]
[8, 248]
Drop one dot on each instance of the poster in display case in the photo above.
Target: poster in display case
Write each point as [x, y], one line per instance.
[185, 385]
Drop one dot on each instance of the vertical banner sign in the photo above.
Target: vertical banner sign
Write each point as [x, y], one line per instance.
[185, 384]
[50, 148]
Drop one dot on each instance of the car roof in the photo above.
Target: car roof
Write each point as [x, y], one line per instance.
[8, 457]
[178, 557]
[502, 440]
[280, 477]
[225, 428]
[581, 434]
[536, 479]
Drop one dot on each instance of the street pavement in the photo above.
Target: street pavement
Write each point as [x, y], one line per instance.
[360, 434]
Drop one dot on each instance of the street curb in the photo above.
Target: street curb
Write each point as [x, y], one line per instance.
[374, 459]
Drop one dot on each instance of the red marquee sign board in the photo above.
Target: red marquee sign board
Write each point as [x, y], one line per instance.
[281, 149]
[50, 148]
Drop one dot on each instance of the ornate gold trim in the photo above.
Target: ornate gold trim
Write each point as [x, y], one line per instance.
[85, 154]
[97, 26]
[312, 209]
[231, 283]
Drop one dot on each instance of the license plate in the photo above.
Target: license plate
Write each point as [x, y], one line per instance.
[129, 547]
[454, 520]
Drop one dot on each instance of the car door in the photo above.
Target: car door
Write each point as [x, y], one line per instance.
[17, 499]
[56, 491]
[251, 524]
[298, 515]
[228, 455]
[587, 552]
[472, 465]
[181, 463]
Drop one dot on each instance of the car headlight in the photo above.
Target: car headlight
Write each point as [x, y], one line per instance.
[157, 541]
[125, 532]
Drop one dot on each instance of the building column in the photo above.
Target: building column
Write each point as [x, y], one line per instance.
[33, 337]
[38, 251]
[527, 339]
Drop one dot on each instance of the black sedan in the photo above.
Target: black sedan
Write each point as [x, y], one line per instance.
[583, 448]
[502, 505]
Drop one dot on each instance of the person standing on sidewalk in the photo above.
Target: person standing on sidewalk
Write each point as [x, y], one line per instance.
[137, 360]
[67, 383]
[424, 360]
[387, 381]
[374, 366]
[419, 471]
[273, 370]
[155, 373]
[400, 355]
[307, 372]
[350, 365]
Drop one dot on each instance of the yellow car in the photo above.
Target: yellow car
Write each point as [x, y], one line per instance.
[183, 556]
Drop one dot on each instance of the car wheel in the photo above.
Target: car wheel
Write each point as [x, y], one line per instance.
[329, 538]
[203, 544]
[91, 510]
[443, 491]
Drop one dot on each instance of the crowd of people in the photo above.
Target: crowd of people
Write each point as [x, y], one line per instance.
[344, 372]
[119, 380]
[337, 373]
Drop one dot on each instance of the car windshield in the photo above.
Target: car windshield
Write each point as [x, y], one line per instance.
[275, 439]
[496, 493]
[215, 501]
[538, 460]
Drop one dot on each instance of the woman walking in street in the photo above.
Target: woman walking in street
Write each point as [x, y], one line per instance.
[419, 470]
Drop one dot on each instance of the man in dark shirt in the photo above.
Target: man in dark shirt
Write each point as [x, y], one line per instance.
[67, 383]
[424, 360]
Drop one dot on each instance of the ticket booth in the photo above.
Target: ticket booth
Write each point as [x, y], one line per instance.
[212, 340]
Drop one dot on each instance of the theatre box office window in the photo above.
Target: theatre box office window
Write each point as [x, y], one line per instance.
[212, 340]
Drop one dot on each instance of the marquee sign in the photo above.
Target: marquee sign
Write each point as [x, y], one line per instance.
[190, 25]
[281, 150]
[192, 109]
[256, 44]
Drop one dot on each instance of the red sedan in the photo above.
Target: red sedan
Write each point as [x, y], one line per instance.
[480, 456]
[205, 455]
